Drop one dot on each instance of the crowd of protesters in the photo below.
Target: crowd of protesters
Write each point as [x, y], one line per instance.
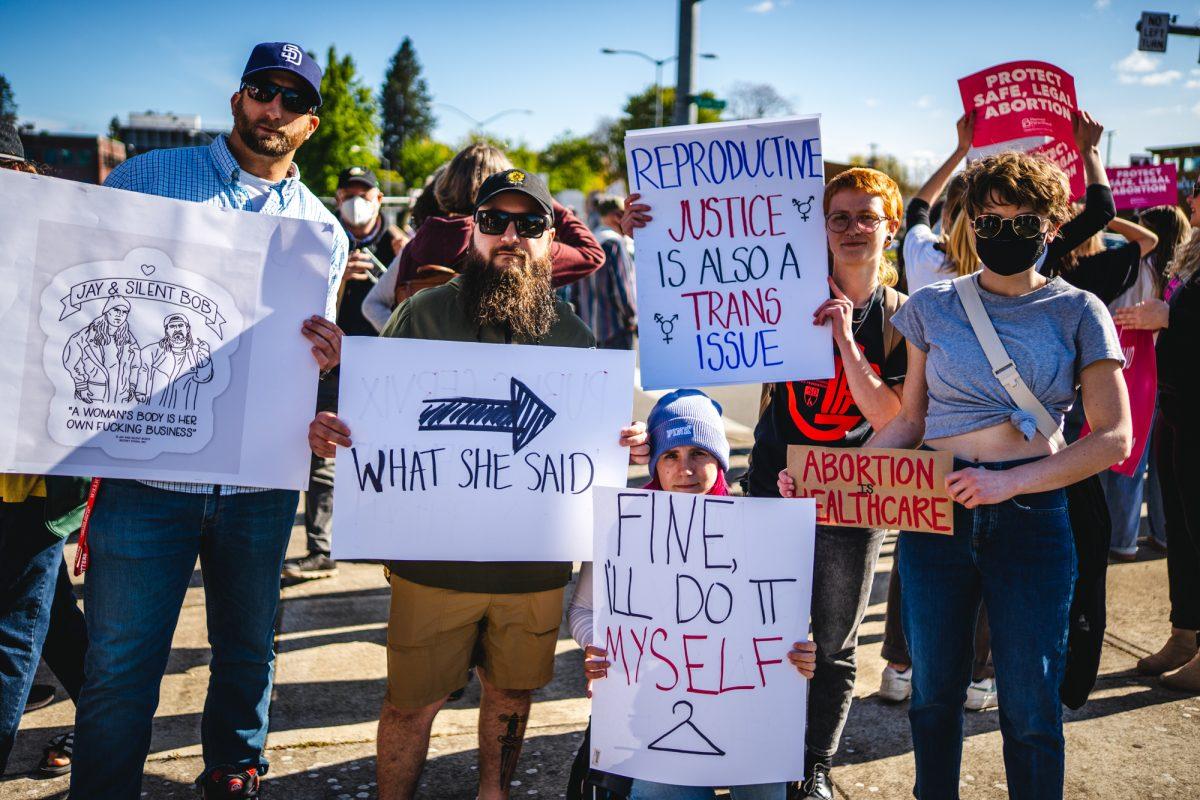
[999, 269]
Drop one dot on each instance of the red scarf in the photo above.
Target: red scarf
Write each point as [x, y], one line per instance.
[720, 488]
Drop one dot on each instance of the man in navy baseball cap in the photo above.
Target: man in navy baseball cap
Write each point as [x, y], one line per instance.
[288, 57]
[275, 108]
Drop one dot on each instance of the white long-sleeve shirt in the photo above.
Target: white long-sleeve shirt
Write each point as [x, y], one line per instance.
[579, 613]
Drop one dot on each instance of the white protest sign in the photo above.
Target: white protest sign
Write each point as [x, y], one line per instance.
[697, 601]
[154, 338]
[734, 262]
[476, 452]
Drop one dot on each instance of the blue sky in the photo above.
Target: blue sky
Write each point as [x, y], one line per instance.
[876, 71]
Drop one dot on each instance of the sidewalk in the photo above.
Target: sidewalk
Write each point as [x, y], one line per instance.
[1132, 739]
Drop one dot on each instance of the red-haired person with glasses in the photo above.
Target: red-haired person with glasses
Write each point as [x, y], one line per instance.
[862, 210]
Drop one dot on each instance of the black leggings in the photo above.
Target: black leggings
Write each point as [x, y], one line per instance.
[1177, 439]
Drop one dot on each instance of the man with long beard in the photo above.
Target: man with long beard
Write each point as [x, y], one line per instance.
[146, 536]
[501, 618]
[174, 366]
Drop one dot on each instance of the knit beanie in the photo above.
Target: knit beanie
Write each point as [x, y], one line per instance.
[687, 417]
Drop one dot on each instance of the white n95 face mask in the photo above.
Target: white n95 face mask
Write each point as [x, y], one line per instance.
[357, 210]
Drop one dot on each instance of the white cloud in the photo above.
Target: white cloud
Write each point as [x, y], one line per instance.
[1163, 78]
[765, 7]
[1165, 111]
[1141, 69]
[1137, 61]
[1100, 5]
[1196, 109]
[925, 101]
[872, 102]
[1192, 84]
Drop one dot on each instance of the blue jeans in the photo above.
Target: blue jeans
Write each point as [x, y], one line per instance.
[1019, 558]
[144, 543]
[648, 790]
[1123, 494]
[30, 558]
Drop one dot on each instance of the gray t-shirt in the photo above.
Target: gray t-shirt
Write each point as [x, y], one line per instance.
[1051, 334]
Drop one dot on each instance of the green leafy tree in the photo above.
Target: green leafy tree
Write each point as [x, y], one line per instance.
[114, 129]
[348, 129]
[574, 162]
[405, 103]
[639, 114]
[8, 103]
[418, 158]
[524, 157]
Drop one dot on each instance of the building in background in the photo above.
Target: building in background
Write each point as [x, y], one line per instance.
[1186, 158]
[151, 131]
[75, 156]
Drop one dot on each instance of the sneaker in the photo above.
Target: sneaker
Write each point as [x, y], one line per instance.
[895, 686]
[314, 565]
[224, 782]
[981, 695]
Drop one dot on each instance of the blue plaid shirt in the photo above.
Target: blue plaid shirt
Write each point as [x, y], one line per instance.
[210, 175]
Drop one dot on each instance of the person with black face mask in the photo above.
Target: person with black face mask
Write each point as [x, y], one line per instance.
[1012, 546]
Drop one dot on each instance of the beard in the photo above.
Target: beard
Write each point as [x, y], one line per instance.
[517, 297]
[276, 144]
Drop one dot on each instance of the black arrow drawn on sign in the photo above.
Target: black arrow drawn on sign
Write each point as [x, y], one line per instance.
[524, 415]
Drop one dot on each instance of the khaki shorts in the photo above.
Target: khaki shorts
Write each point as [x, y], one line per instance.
[436, 635]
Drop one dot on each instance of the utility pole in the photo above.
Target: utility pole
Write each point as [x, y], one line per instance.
[1108, 149]
[685, 111]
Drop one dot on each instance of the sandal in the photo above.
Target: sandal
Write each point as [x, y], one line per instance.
[63, 746]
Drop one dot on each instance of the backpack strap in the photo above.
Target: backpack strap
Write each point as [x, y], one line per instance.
[1002, 365]
[892, 301]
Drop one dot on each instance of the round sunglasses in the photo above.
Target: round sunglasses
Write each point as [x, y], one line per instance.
[1024, 226]
[839, 222]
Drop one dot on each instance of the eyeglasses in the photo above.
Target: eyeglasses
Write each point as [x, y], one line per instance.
[294, 100]
[495, 223]
[1025, 226]
[839, 222]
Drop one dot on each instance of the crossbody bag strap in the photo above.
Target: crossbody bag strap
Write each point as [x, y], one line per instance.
[1002, 365]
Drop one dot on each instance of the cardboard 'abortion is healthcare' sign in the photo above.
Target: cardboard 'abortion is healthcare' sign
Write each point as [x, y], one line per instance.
[876, 487]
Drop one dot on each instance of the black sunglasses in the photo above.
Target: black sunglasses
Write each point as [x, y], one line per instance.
[294, 100]
[989, 226]
[495, 223]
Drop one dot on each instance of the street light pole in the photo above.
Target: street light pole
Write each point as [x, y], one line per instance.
[658, 71]
[658, 65]
[685, 112]
[481, 123]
